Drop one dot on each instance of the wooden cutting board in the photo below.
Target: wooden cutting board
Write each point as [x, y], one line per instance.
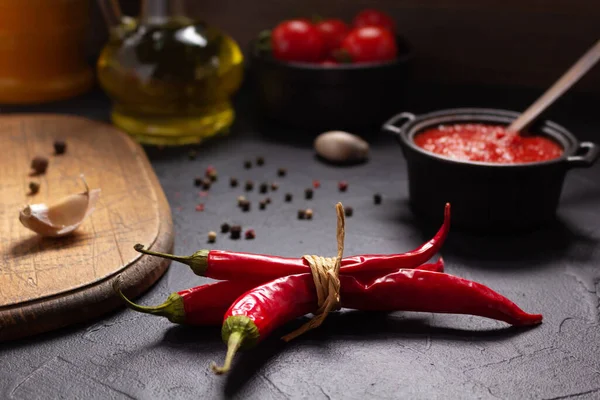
[48, 283]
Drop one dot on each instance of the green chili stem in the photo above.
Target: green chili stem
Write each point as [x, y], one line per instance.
[233, 344]
[198, 261]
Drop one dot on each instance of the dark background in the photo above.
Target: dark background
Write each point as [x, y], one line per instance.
[527, 42]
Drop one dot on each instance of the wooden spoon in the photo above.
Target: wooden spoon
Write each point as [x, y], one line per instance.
[583, 65]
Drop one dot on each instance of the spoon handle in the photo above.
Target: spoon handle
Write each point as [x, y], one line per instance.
[578, 69]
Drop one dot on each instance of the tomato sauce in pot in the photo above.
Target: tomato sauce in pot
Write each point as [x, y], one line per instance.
[486, 143]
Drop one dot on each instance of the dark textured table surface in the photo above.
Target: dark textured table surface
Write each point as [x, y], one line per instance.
[353, 355]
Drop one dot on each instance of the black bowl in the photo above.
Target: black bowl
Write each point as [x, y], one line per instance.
[337, 97]
[486, 196]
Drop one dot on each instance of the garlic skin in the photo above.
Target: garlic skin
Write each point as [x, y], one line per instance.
[341, 147]
[62, 218]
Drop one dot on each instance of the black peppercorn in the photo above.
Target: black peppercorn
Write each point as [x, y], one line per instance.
[281, 172]
[263, 188]
[377, 198]
[308, 194]
[268, 200]
[288, 197]
[206, 183]
[233, 182]
[262, 205]
[301, 214]
[60, 146]
[274, 186]
[245, 205]
[348, 211]
[198, 181]
[249, 186]
[247, 164]
[260, 161]
[235, 232]
[39, 164]
[225, 227]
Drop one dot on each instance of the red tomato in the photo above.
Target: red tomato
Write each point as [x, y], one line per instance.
[374, 18]
[333, 31]
[297, 40]
[370, 44]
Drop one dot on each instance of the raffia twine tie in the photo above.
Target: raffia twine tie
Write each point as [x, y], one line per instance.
[325, 272]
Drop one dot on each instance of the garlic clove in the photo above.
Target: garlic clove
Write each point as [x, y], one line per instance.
[341, 147]
[61, 218]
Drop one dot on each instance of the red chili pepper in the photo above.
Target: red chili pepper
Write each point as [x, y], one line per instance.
[227, 265]
[205, 305]
[258, 312]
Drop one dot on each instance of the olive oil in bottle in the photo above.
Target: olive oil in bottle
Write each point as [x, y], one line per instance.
[170, 77]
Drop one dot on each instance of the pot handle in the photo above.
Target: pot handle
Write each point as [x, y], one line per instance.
[390, 124]
[590, 153]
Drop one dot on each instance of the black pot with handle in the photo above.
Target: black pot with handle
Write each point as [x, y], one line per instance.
[486, 196]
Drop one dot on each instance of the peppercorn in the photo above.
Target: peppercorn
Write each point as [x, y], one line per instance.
[308, 213]
[301, 214]
[212, 236]
[240, 200]
[281, 172]
[34, 187]
[263, 188]
[342, 186]
[39, 164]
[233, 182]
[235, 232]
[268, 200]
[316, 184]
[206, 184]
[308, 194]
[245, 205]
[260, 161]
[377, 198]
[247, 164]
[212, 174]
[192, 154]
[200, 207]
[262, 205]
[250, 234]
[60, 146]
[249, 185]
[288, 197]
[348, 211]
[225, 227]
[198, 181]
[274, 186]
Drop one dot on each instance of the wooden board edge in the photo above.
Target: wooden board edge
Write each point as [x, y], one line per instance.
[90, 302]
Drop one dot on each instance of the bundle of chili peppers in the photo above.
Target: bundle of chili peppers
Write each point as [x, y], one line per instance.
[258, 293]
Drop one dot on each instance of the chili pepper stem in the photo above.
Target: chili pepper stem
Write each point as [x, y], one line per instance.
[233, 344]
[172, 308]
[198, 261]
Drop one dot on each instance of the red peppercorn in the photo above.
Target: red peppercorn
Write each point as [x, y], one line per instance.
[250, 234]
[316, 184]
[200, 207]
[342, 186]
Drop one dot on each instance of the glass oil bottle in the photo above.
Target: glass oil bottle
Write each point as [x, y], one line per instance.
[171, 77]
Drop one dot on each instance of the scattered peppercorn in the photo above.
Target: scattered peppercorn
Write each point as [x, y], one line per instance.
[212, 236]
[348, 211]
[206, 183]
[247, 164]
[249, 186]
[60, 146]
[34, 187]
[316, 184]
[212, 175]
[233, 182]
[308, 213]
[377, 198]
[281, 172]
[263, 188]
[235, 232]
[250, 234]
[301, 214]
[342, 186]
[240, 200]
[192, 154]
[288, 197]
[225, 227]
[198, 181]
[274, 186]
[262, 205]
[200, 207]
[260, 161]
[308, 194]
[245, 205]
[39, 164]
[268, 200]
